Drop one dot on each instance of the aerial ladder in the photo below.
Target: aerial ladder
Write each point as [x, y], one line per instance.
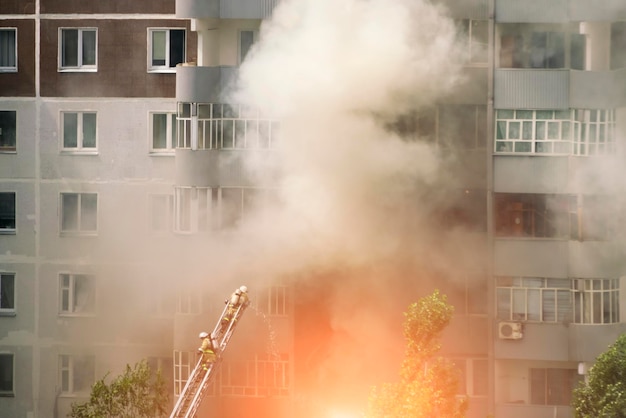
[200, 377]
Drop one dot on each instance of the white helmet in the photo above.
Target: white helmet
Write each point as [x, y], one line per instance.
[203, 334]
[244, 289]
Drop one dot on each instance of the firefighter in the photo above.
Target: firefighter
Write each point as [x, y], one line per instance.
[237, 299]
[207, 349]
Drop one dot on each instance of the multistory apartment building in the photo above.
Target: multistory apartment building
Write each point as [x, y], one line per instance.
[120, 152]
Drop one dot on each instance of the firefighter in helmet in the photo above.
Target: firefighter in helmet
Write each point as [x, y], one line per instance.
[239, 298]
[207, 350]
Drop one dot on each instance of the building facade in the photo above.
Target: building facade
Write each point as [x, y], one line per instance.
[119, 154]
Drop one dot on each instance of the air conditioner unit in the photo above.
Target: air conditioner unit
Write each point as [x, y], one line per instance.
[510, 330]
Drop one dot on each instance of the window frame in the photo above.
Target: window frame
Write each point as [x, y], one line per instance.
[193, 209]
[223, 126]
[241, 55]
[477, 56]
[584, 132]
[9, 230]
[11, 392]
[80, 147]
[79, 67]
[7, 68]
[247, 378]
[511, 289]
[79, 231]
[72, 296]
[171, 133]
[9, 149]
[552, 378]
[591, 293]
[167, 67]
[67, 365]
[7, 311]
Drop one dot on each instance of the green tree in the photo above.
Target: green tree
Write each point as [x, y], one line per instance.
[604, 393]
[428, 383]
[137, 393]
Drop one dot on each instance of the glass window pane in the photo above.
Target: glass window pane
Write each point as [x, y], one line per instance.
[88, 213]
[246, 40]
[6, 372]
[527, 130]
[514, 130]
[159, 131]
[158, 47]
[69, 216]
[540, 130]
[89, 47]
[70, 130]
[534, 304]
[89, 130]
[177, 47]
[7, 129]
[501, 129]
[505, 114]
[69, 48]
[523, 147]
[7, 210]
[7, 291]
[553, 130]
[7, 48]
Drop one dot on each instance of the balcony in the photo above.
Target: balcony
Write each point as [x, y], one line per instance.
[559, 89]
[587, 341]
[555, 11]
[225, 9]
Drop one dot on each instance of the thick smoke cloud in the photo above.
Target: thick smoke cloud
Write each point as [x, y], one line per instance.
[354, 224]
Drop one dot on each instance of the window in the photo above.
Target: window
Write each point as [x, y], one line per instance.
[476, 34]
[523, 47]
[6, 374]
[161, 213]
[265, 376]
[184, 361]
[552, 386]
[78, 49]
[473, 376]
[7, 213]
[7, 293]
[79, 213]
[575, 217]
[8, 50]
[462, 127]
[618, 45]
[277, 301]
[77, 294]
[79, 131]
[246, 40]
[556, 132]
[167, 49]
[237, 203]
[534, 299]
[534, 215]
[76, 374]
[188, 302]
[193, 208]
[7, 130]
[223, 126]
[163, 132]
[596, 301]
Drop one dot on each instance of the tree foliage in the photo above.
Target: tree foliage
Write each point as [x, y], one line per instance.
[604, 393]
[428, 383]
[137, 393]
